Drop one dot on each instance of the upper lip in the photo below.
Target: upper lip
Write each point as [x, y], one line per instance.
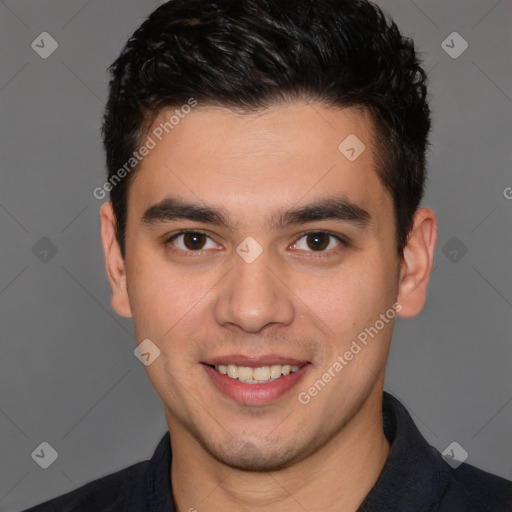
[254, 361]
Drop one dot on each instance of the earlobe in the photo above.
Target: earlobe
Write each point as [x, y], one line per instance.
[417, 262]
[114, 262]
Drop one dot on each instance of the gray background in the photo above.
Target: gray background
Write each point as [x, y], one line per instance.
[68, 375]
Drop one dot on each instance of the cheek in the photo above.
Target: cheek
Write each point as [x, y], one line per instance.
[160, 297]
[353, 300]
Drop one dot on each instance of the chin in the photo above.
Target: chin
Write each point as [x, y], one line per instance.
[250, 457]
[260, 456]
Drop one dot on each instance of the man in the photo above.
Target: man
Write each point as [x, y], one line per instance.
[266, 164]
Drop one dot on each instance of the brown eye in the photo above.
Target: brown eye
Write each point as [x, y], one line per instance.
[191, 241]
[318, 241]
[194, 241]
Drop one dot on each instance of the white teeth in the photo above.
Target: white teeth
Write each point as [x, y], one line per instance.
[245, 373]
[232, 371]
[262, 373]
[257, 375]
[275, 371]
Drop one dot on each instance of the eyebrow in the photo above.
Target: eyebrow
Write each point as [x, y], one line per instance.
[330, 208]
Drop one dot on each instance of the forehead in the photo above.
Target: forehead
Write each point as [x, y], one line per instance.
[252, 161]
[290, 131]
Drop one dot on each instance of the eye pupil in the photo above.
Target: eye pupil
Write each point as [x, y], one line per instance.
[193, 240]
[319, 241]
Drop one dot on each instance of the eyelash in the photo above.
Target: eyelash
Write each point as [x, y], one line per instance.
[312, 254]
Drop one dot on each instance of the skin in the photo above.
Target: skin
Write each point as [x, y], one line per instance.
[293, 300]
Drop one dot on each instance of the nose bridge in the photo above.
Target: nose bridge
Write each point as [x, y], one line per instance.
[251, 296]
[255, 274]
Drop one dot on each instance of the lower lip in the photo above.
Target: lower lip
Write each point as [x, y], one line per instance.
[255, 394]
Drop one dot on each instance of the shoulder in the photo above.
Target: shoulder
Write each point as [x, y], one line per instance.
[472, 489]
[107, 493]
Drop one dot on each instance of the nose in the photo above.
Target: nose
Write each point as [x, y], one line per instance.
[254, 296]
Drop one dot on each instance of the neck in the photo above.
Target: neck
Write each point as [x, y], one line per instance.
[338, 476]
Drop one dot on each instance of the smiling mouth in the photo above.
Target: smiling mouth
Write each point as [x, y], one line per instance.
[257, 375]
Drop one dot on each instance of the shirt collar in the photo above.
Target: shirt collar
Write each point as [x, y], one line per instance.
[158, 481]
[414, 474]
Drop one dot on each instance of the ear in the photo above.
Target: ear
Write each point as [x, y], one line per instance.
[417, 262]
[114, 262]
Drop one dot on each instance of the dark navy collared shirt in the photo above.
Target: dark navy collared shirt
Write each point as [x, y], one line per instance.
[415, 478]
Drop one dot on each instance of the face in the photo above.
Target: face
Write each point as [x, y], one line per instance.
[288, 257]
